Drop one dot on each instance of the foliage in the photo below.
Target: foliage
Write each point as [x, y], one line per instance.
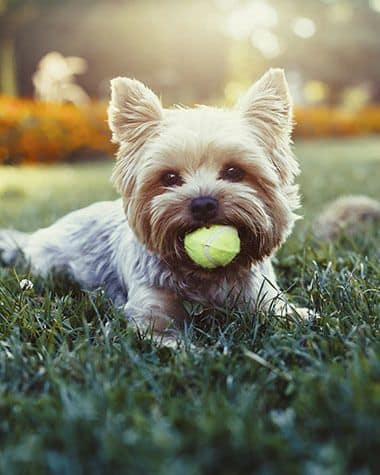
[336, 122]
[34, 132]
[80, 393]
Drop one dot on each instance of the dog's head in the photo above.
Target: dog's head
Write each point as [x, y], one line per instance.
[180, 169]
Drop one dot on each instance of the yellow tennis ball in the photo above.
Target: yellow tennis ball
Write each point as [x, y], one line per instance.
[215, 246]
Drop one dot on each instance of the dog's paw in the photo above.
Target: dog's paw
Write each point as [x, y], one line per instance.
[174, 342]
[305, 313]
[285, 309]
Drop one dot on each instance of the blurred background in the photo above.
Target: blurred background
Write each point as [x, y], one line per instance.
[58, 56]
[198, 51]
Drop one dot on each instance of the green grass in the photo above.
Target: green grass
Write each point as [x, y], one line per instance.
[80, 393]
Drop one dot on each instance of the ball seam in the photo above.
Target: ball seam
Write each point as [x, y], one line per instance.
[209, 243]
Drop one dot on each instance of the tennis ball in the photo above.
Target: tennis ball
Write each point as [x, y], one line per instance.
[214, 246]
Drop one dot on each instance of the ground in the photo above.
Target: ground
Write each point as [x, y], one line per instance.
[80, 393]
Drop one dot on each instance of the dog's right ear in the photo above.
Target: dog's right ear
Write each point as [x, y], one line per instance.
[134, 111]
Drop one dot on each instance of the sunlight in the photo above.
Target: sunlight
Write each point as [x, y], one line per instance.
[315, 91]
[266, 42]
[375, 4]
[241, 21]
[304, 27]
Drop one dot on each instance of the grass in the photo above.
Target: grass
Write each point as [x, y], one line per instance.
[80, 393]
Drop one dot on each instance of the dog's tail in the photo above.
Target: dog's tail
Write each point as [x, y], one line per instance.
[12, 244]
[349, 214]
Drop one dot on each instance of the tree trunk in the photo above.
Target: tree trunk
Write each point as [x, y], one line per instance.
[8, 79]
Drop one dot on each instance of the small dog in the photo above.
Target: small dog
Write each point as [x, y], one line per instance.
[179, 169]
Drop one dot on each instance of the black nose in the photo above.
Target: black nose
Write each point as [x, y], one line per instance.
[204, 208]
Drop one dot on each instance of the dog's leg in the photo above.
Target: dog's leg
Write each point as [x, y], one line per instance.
[156, 310]
[12, 244]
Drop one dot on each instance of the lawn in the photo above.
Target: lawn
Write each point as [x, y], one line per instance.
[80, 393]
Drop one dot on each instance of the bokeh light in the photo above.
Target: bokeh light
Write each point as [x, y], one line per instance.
[375, 4]
[304, 27]
[266, 42]
[242, 20]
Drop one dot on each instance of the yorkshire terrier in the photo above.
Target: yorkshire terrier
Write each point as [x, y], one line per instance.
[177, 170]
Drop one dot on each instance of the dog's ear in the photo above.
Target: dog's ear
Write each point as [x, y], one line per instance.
[267, 106]
[134, 111]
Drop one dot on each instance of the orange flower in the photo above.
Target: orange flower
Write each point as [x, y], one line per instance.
[32, 132]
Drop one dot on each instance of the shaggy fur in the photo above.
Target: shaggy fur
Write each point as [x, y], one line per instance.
[133, 247]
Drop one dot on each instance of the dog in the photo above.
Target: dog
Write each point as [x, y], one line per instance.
[177, 170]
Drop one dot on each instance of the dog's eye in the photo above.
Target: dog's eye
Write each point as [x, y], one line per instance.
[232, 173]
[171, 179]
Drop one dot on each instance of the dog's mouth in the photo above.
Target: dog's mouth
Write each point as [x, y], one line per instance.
[249, 245]
[206, 224]
[244, 233]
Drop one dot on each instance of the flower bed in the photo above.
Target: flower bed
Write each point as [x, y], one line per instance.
[36, 132]
[335, 122]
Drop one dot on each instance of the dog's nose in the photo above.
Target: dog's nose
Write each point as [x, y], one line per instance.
[204, 208]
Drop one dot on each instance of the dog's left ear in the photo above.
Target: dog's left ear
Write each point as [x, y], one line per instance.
[267, 106]
[134, 111]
